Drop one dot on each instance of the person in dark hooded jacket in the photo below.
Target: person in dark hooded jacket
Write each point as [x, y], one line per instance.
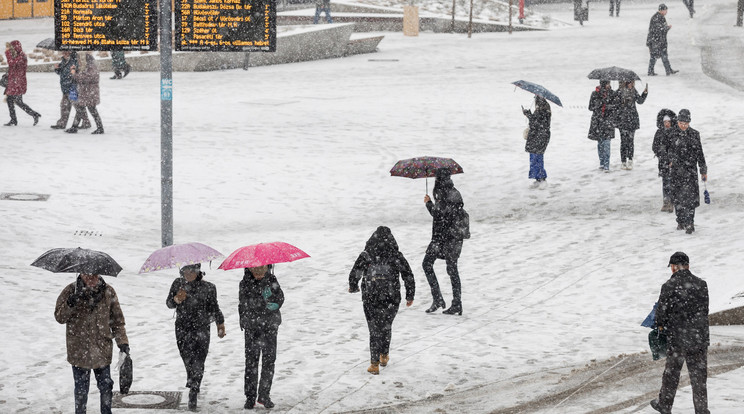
[195, 301]
[446, 242]
[538, 138]
[602, 103]
[666, 123]
[260, 298]
[17, 65]
[685, 152]
[380, 267]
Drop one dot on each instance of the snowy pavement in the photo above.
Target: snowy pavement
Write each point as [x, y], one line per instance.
[554, 277]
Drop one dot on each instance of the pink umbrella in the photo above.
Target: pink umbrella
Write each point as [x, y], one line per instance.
[262, 254]
[179, 255]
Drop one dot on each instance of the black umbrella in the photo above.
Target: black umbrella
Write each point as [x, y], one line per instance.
[613, 73]
[78, 260]
[47, 43]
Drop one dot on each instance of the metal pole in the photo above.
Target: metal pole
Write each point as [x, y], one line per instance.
[453, 15]
[470, 25]
[510, 16]
[166, 123]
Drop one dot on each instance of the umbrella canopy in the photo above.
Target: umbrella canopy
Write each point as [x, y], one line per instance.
[179, 255]
[613, 73]
[538, 90]
[421, 167]
[262, 254]
[78, 260]
[47, 43]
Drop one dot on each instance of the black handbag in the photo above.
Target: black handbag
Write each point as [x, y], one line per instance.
[657, 341]
[4, 80]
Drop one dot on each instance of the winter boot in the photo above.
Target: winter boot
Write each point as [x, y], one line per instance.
[384, 358]
[656, 406]
[690, 229]
[456, 308]
[624, 166]
[266, 402]
[249, 404]
[374, 368]
[668, 207]
[192, 399]
[436, 305]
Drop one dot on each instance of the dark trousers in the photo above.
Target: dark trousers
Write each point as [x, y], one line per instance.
[193, 345]
[615, 6]
[626, 144]
[380, 318]
[690, 4]
[81, 117]
[82, 385]
[697, 367]
[450, 252]
[65, 108]
[685, 215]
[259, 343]
[664, 60]
[666, 182]
[14, 100]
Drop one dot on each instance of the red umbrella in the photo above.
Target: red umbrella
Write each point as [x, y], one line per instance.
[421, 167]
[262, 254]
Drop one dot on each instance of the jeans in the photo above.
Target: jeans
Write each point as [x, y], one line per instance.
[450, 252]
[82, 385]
[327, 11]
[537, 167]
[626, 144]
[603, 150]
[664, 60]
[697, 367]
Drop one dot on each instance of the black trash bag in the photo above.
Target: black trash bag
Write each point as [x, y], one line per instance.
[125, 375]
[657, 341]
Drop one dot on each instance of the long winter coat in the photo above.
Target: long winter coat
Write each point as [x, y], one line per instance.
[92, 323]
[383, 249]
[87, 83]
[602, 104]
[254, 297]
[445, 211]
[657, 35]
[199, 309]
[627, 114]
[685, 154]
[66, 80]
[16, 70]
[662, 138]
[683, 311]
[539, 135]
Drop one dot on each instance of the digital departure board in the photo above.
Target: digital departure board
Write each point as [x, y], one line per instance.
[106, 24]
[226, 25]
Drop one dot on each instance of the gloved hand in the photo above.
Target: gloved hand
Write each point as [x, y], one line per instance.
[353, 289]
[73, 299]
[221, 330]
[272, 306]
[266, 292]
[124, 348]
[180, 296]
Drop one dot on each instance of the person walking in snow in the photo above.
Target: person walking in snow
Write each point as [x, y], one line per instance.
[446, 240]
[87, 79]
[682, 314]
[685, 154]
[380, 267]
[656, 41]
[602, 126]
[16, 88]
[67, 83]
[195, 302]
[690, 4]
[260, 298]
[538, 138]
[119, 64]
[627, 120]
[615, 7]
[91, 312]
[666, 123]
[320, 7]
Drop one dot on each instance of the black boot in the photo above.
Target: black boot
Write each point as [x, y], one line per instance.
[249, 403]
[192, 399]
[456, 308]
[12, 122]
[436, 305]
[266, 402]
[36, 118]
[127, 68]
[72, 130]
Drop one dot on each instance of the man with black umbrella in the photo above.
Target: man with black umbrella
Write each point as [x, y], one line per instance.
[90, 309]
[682, 314]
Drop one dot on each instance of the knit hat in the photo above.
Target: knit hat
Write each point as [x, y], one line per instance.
[684, 115]
[662, 6]
[666, 118]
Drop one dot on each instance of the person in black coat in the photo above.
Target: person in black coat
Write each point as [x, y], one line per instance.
[627, 120]
[380, 267]
[67, 83]
[666, 123]
[656, 41]
[446, 243]
[260, 298]
[602, 103]
[682, 314]
[538, 138]
[685, 152]
[195, 301]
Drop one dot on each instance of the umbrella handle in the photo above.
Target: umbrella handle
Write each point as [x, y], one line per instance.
[427, 185]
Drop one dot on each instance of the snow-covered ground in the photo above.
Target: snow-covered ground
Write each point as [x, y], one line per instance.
[553, 277]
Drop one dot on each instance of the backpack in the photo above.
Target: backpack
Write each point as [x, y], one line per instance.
[379, 277]
[462, 224]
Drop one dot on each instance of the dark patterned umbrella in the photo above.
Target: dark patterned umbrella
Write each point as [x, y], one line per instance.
[421, 167]
[78, 260]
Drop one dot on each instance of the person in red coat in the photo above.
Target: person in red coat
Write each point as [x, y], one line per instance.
[17, 64]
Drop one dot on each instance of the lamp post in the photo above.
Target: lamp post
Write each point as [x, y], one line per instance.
[166, 124]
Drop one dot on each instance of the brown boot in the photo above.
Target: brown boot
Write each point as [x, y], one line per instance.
[668, 207]
[384, 358]
[374, 368]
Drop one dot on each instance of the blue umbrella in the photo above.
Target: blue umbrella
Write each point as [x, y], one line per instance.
[538, 90]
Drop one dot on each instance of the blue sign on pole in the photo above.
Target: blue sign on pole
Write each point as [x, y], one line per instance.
[166, 89]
